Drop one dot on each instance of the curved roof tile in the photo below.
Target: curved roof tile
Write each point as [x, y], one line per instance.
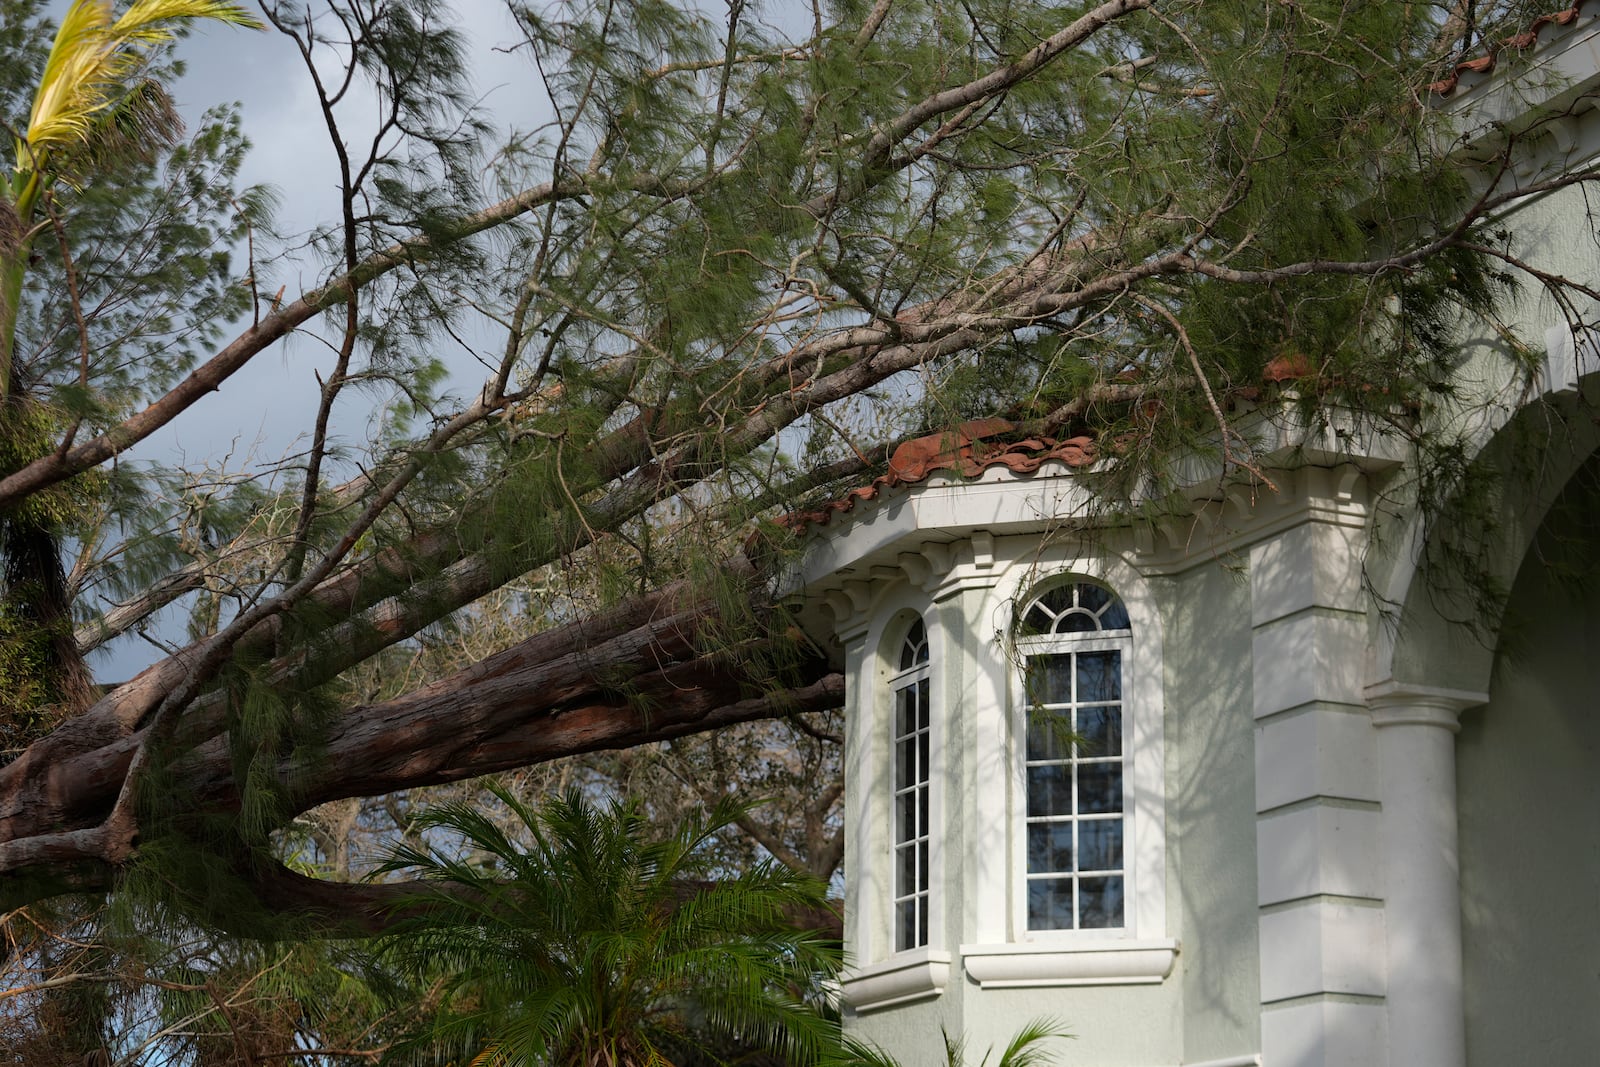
[1519, 42]
[968, 450]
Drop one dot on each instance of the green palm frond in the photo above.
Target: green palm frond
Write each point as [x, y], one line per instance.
[583, 936]
[1027, 1046]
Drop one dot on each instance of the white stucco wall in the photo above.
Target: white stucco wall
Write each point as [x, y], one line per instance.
[1211, 855]
[1207, 1009]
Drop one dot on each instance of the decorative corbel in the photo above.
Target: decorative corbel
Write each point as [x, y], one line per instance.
[982, 550]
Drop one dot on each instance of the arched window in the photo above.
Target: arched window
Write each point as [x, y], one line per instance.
[909, 685]
[1073, 641]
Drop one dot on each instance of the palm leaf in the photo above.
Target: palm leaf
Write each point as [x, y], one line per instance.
[92, 57]
[605, 943]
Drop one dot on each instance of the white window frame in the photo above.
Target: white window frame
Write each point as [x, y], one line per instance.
[1060, 644]
[1007, 953]
[1142, 787]
[919, 678]
[883, 976]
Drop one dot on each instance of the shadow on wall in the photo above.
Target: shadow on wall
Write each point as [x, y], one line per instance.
[1211, 808]
[1528, 780]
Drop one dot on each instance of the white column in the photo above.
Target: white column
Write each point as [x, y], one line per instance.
[1421, 870]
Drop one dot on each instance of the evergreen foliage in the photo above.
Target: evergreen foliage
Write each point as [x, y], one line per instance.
[114, 271]
[738, 265]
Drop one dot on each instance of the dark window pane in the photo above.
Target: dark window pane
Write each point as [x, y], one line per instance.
[1050, 904]
[922, 704]
[1092, 597]
[906, 925]
[1100, 902]
[1057, 600]
[905, 711]
[1099, 788]
[907, 803]
[1050, 790]
[922, 812]
[1100, 845]
[914, 649]
[1049, 848]
[922, 921]
[1036, 621]
[1049, 735]
[1114, 617]
[922, 756]
[1049, 679]
[1099, 731]
[922, 866]
[906, 876]
[1077, 622]
[905, 753]
[1099, 676]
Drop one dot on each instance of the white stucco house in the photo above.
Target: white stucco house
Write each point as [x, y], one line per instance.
[1312, 820]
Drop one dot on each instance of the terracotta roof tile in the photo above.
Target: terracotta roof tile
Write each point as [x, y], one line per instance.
[1288, 367]
[968, 450]
[1519, 42]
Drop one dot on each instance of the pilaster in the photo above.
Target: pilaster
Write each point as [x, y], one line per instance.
[1321, 920]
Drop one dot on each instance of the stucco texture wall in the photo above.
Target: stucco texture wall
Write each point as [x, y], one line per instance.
[1528, 778]
[1211, 856]
[1208, 1008]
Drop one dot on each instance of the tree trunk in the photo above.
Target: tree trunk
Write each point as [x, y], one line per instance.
[613, 681]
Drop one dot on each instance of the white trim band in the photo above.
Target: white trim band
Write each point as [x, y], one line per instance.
[915, 975]
[1249, 1059]
[1109, 962]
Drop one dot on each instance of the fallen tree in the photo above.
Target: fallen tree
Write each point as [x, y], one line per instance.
[734, 270]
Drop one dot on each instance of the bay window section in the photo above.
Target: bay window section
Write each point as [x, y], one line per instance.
[911, 735]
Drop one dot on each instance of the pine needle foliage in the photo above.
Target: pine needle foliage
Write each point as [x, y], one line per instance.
[595, 941]
[91, 101]
[739, 263]
[91, 322]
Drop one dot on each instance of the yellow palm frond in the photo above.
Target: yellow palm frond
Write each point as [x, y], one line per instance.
[94, 52]
[74, 57]
[144, 20]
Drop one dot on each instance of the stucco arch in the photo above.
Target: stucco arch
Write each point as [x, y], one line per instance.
[1446, 591]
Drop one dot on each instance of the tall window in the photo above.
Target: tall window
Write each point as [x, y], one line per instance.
[1073, 640]
[910, 688]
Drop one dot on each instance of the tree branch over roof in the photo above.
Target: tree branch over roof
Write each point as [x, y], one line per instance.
[729, 260]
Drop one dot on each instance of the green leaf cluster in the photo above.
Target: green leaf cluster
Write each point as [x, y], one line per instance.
[577, 934]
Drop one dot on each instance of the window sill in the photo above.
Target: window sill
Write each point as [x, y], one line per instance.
[914, 975]
[1108, 962]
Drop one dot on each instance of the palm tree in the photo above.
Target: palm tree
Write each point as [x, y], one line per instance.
[595, 945]
[90, 101]
[94, 108]
[1025, 1049]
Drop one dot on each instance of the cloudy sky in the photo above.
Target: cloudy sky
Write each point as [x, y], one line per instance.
[264, 410]
[291, 152]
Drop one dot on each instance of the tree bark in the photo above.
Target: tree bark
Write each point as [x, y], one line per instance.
[634, 674]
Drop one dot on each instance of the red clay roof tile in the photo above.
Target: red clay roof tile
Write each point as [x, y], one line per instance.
[967, 449]
[1519, 42]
